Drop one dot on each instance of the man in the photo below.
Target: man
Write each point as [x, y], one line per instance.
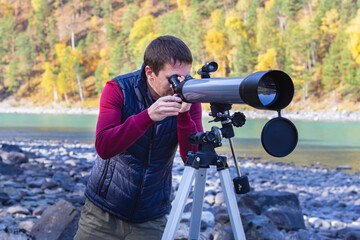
[139, 127]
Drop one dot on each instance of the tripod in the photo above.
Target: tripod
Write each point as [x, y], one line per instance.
[196, 167]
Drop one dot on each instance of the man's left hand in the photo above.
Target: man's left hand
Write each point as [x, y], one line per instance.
[184, 106]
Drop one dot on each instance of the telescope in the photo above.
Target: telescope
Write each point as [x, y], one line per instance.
[267, 90]
[264, 90]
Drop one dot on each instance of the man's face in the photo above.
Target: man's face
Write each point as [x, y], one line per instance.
[158, 84]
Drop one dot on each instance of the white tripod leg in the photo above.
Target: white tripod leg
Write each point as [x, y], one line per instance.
[179, 203]
[199, 191]
[231, 204]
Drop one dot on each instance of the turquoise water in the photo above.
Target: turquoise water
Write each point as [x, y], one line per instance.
[327, 144]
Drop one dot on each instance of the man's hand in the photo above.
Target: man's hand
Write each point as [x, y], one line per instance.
[165, 107]
[184, 106]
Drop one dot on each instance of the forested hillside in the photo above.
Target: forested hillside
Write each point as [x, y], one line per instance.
[60, 51]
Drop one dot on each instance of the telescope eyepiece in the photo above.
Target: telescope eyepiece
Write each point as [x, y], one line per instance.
[208, 68]
[173, 80]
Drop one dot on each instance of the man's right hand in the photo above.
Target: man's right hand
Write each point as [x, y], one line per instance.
[164, 107]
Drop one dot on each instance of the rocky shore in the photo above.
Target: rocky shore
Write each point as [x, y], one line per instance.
[325, 115]
[41, 179]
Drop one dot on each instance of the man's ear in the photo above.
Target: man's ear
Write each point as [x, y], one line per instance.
[148, 72]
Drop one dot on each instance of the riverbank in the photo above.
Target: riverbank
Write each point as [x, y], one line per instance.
[331, 116]
[57, 170]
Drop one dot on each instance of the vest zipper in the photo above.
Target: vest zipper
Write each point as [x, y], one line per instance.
[104, 176]
[144, 171]
[151, 142]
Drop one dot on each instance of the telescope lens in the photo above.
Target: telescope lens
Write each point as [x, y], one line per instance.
[267, 91]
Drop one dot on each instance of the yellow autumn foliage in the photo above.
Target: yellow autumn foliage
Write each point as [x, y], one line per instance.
[214, 43]
[48, 79]
[267, 60]
[354, 37]
[141, 28]
[330, 23]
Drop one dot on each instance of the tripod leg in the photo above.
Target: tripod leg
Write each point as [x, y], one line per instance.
[231, 204]
[179, 203]
[197, 206]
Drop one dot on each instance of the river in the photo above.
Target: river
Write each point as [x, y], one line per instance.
[324, 144]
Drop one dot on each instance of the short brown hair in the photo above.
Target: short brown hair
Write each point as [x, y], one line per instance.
[166, 49]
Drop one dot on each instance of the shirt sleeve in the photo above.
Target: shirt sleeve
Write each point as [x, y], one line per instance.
[189, 122]
[112, 136]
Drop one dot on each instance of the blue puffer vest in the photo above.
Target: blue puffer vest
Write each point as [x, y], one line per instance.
[135, 185]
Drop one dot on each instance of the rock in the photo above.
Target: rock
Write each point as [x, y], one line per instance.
[279, 218]
[221, 232]
[210, 199]
[10, 148]
[7, 169]
[26, 225]
[343, 167]
[49, 184]
[57, 222]
[37, 183]
[14, 158]
[64, 180]
[4, 198]
[260, 227]
[348, 234]
[220, 199]
[18, 209]
[283, 208]
[304, 235]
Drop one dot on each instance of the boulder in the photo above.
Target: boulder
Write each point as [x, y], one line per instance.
[57, 222]
[13, 158]
[348, 233]
[260, 227]
[282, 208]
[4, 197]
[10, 148]
[7, 169]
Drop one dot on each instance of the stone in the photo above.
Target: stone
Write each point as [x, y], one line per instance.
[348, 233]
[56, 221]
[4, 197]
[9, 170]
[220, 199]
[304, 235]
[260, 227]
[26, 225]
[18, 210]
[64, 180]
[343, 167]
[286, 204]
[221, 232]
[14, 158]
[210, 199]
[10, 148]
[49, 184]
[36, 183]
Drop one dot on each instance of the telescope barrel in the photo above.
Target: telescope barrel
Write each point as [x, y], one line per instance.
[269, 90]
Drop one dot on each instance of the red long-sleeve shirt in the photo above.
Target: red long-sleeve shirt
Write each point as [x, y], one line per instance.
[113, 137]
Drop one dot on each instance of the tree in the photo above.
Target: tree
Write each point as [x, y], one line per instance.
[11, 76]
[25, 51]
[101, 76]
[354, 38]
[267, 60]
[48, 81]
[116, 59]
[140, 36]
[172, 23]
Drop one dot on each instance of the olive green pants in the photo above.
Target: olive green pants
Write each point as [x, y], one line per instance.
[97, 224]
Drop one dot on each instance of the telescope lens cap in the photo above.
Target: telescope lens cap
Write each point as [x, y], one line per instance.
[279, 137]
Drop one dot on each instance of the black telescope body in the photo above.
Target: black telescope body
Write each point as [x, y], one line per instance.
[268, 90]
